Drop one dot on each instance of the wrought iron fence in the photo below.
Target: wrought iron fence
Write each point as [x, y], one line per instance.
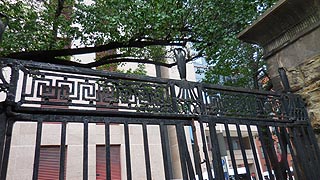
[189, 115]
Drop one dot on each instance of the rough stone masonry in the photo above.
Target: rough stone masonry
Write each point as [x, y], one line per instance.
[289, 33]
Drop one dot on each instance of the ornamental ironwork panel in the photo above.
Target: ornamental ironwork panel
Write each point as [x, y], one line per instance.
[182, 124]
[48, 86]
[93, 93]
[225, 103]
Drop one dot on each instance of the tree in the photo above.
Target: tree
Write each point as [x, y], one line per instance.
[136, 29]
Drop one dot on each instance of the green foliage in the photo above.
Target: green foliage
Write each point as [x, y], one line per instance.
[211, 26]
[140, 70]
[30, 26]
[109, 67]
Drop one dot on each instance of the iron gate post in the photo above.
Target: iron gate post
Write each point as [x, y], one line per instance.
[3, 125]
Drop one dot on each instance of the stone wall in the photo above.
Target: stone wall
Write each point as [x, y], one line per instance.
[301, 60]
[296, 57]
[289, 33]
[305, 80]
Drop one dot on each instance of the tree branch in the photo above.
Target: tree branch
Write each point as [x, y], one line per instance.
[58, 12]
[51, 54]
[200, 54]
[118, 60]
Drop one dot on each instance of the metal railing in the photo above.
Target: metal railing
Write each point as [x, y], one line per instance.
[186, 114]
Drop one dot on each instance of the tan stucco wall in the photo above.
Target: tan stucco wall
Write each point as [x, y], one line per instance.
[23, 146]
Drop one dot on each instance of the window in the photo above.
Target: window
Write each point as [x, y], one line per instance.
[49, 164]
[235, 144]
[114, 160]
[262, 153]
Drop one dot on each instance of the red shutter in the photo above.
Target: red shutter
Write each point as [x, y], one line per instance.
[114, 160]
[49, 164]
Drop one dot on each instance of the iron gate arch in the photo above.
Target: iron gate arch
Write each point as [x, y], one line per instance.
[40, 92]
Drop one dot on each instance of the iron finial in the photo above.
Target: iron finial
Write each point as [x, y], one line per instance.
[180, 56]
[284, 79]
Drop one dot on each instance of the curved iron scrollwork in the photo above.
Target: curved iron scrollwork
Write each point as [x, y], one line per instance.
[186, 97]
[235, 104]
[294, 107]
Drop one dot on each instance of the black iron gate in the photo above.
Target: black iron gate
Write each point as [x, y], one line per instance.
[204, 131]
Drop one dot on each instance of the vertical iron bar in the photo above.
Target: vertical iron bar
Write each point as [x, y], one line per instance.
[182, 151]
[233, 159]
[294, 158]
[203, 101]
[3, 128]
[313, 140]
[301, 150]
[314, 143]
[196, 151]
[186, 152]
[189, 162]
[85, 149]
[37, 151]
[266, 155]
[277, 169]
[205, 151]
[166, 134]
[6, 153]
[283, 150]
[146, 150]
[217, 165]
[164, 151]
[11, 96]
[243, 151]
[253, 148]
[128, 156]
[107, 146]
[62, 150]
[311, 148]
[168, 151]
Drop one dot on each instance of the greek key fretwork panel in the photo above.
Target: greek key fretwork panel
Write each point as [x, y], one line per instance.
[56, 87]
[139, 96]
[78, 91]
